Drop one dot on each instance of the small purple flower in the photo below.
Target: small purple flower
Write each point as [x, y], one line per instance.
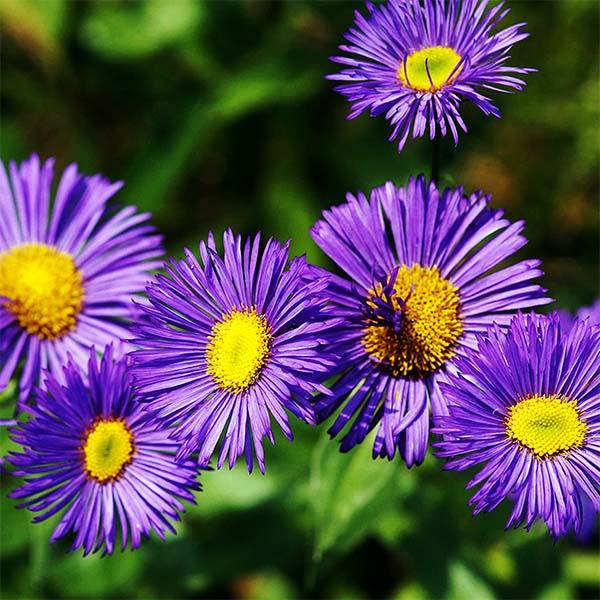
[589, 313]
[230, 343]
[89, 452]
[424, 279]
[68, 268]
[526, 406]
[416, 60]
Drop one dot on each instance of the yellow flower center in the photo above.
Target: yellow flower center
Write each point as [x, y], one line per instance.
[430, 325]
[107, 449]
[238, 349]
[429, 69]
[546, 425]
[44, 289]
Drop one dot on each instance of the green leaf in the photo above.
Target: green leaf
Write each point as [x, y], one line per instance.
[95, 576]
[266, 586]
[37, 25]
[465, 584]
[557, 590]
[349, 493]
[8, 399]
[412, 591]
[138, 30]
[583, 568]
[167, 161]
[9, 394]
[15, 528]
[226, 490]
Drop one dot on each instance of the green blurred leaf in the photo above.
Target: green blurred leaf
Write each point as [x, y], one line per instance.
[138, 30]
[226, 490]
[412, 591]
[289, 209]
[348, 494]
[9, 394]
[8, 399]
[40, 549]
[266, 586]
[583, 568]
[499, 564]
[240, 94]
[95, 576]
[15, 524]
[558, 590]
[36, 25]
[465, 584]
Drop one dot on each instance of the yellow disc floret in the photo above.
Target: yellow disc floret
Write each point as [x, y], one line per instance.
[546, 425]
[429, 69]
[107, 449]
[44, 289]
[431, 323]
[238, 349]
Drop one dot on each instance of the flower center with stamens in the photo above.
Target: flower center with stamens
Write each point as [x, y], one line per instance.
[429, 69]
[44, 289]
[546, 425]
[419, 325]
[108, 449]
[238, 349]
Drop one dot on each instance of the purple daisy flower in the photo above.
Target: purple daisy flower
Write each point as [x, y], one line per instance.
[424, 279]
[229, 343]
[68, 268]
[417, 60]
[589, 313]
[527, 406]
[88, 450]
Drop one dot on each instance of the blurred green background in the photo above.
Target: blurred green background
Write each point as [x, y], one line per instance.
[217, 114]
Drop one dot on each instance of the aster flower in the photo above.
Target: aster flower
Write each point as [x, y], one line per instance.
[68, 268]
[589, 313]
[416, 60]
[230, 343]
[90, 453]
[526, 407]
[424, 278]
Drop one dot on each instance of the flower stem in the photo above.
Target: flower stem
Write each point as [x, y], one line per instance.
[435, 159]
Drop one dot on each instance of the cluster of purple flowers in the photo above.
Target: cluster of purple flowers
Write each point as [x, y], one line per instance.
[132, 382]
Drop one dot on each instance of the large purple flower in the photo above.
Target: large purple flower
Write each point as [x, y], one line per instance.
[424, 278]
[230, 343]
[417, 60]
[90, 452]
[526, 406]
[68, 268]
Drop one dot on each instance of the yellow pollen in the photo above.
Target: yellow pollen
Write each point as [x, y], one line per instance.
[441, 63]
[238, 349]
[431, 324]
[108, 449]
[44, 289]
[546, 425]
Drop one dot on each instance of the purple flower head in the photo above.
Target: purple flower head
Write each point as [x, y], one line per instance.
[90, 453]
[526, 407]
[591, 314]
[230, 343]
[424, 278]
[68, 268]
[415, 61]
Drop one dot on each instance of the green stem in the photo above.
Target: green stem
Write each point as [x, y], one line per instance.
[435, 159]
